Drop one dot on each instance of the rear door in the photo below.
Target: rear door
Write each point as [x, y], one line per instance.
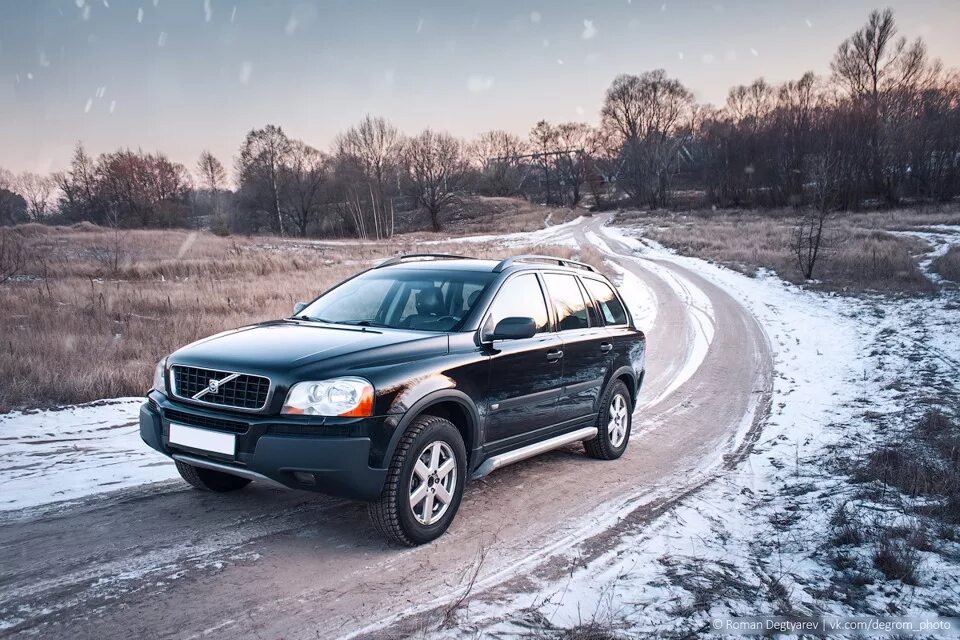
[525, 374]
[586, 359]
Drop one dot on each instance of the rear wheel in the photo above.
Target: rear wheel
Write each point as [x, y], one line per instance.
[613, 424]
[424, 483]
[210, 480]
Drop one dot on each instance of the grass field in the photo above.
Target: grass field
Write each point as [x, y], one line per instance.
[92, 310]
[860, 254]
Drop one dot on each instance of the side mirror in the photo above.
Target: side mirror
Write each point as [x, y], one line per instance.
[515, 328]
[298, 307]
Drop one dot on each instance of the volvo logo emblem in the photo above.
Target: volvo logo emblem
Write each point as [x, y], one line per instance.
[213, 386]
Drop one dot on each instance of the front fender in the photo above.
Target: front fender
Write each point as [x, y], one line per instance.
[400, 421]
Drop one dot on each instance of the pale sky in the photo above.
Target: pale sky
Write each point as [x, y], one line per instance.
[180, 76]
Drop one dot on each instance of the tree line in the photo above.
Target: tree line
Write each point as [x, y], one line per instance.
[881, 129]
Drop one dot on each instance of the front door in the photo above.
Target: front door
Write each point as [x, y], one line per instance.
[525, 374]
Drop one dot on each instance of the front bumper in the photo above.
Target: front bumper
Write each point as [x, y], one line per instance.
[332, 459]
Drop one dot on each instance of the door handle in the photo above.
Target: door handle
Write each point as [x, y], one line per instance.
[553, 356]
[606, 347]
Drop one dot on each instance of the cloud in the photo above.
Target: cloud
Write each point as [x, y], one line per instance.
[477, 84]
[589, 31]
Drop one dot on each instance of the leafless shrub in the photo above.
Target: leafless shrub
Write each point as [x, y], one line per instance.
[12, 255]
[897, 559]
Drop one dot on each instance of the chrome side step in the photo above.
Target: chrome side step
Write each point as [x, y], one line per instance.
[225, 468]
[492, 464]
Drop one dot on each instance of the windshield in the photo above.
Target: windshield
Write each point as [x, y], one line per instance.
[401, 299]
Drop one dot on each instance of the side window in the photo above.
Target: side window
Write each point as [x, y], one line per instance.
[519, 297]
[571, 308]
[613, 311]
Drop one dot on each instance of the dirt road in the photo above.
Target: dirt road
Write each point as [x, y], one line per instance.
[166, 562]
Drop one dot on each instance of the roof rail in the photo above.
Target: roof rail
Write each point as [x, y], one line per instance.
[419, 256]
[563, 262]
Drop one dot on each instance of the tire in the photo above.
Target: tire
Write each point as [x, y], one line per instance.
[417, 519]
[210, 480]
[613, 424]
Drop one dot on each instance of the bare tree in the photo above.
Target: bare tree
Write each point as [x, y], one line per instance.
[572, 140]
[374, 148]
[436, 166]
[306, 177]
[653, 116]
[495, 154]
[38, 191]
[260, 168]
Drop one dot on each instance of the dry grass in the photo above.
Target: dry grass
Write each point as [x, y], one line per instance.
[504, 215]
[948, 265]
[859, 253]
[84, 321]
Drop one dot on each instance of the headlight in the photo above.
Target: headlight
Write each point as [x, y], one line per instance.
[159, 383]
[346, 397]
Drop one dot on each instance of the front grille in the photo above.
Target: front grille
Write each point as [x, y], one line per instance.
[243, 392]
[203, 421]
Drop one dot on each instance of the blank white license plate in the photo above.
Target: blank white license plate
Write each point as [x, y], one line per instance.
[225, 443]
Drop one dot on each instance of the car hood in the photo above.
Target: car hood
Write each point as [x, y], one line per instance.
[286, 345]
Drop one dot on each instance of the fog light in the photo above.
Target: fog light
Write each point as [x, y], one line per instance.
[304, 478]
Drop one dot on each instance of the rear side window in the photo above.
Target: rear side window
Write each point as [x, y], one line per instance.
[568, 301]
[520, 297]
[613, 311]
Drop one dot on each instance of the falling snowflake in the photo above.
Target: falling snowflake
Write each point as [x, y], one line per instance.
[245, 70]
[708, 58]
[207, 11]
[579, 110]
[140, 14]
[162, 40]
[559, 60]
[477, 84]
[680, 55]
[419, 25]
[101, 91]
[535, 17]
[753, 52]
[809, 24]
[233, 14]
[113, 105]
[589, 31]
[89, 105]
[546, 43]
[292, 24]
[86, 12]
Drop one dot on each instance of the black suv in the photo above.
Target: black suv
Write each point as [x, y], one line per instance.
[401, 383]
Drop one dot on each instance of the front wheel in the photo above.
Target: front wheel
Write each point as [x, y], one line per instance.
[424, 483]
[613, 424]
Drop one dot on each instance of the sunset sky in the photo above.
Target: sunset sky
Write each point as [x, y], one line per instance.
[180, 76]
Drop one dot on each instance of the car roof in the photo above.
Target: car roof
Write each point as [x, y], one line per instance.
[444, 262]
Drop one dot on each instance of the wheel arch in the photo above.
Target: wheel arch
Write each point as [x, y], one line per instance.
[450, 404]
[627, 376]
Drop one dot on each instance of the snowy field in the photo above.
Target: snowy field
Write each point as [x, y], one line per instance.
[758, 540]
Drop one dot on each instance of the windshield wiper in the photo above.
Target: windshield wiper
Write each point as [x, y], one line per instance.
[367, 323]
[306, 317]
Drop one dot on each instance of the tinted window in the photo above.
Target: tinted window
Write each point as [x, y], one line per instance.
[613, 311]
[571, 309]
[520, 297]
